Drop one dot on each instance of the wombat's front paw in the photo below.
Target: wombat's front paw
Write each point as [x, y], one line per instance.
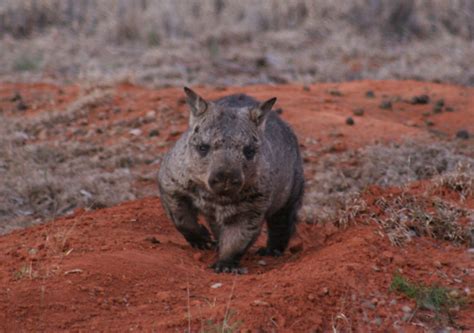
[228, 267]
[268, 252]
[201, 240]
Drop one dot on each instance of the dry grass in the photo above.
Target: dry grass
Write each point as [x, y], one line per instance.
[165, 42]
[406, 216]
[338, 179]
[337, 191]
[461, 181]
[39, 181]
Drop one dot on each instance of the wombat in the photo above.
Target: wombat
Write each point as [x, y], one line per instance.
[238, 164]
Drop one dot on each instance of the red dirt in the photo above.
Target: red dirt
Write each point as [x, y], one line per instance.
[102, 270]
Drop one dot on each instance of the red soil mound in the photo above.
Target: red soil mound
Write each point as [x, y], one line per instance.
[126, 268]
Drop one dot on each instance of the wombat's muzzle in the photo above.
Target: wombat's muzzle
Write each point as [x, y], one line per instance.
[225, 181]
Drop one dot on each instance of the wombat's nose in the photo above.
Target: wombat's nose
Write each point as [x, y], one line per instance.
[222, 180]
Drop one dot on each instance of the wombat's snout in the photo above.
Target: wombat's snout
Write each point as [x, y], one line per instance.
[225, 180]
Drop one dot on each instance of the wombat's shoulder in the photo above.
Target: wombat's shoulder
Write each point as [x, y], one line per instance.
[237, 101]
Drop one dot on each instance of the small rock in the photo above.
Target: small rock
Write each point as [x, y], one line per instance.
[21, 137]
[153, 240]
[311, 297]
[385, 105]
[369, 94]
[136, 132]
[454, 293]
[410, 123]
[429, 122]
[350, 121]
[358, 112]
[420, 99]
[335, 92]
[21, 106]
[406, 309]
[16, 97]
[73, 271]
[369, 305]
[150, 114]
[437, 109]
[440, 102]
[324, 291]
[153, 133]
[376, 268]
[462, 134]
[337, 147]
[437, 264]
[258, 302]
[262, 263]
[216, 285]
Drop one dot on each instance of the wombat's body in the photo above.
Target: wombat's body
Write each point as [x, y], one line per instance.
[238, 165]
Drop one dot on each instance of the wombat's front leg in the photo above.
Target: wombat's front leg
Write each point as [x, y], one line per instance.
[182, 212]
[234, 240]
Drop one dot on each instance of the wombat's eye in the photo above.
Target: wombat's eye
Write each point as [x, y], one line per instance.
[249, 152]
[203, 149]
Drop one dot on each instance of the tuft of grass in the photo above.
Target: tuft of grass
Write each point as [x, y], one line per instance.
[25, 63]
[228, 325]
[434, 297]
[405, 216]
[461, 181]
[25, 271]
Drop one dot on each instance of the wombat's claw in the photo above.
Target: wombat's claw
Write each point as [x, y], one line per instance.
[228, 267]
[267, 252]
[204, 244]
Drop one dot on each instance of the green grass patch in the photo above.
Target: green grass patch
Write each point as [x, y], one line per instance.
[435, 297]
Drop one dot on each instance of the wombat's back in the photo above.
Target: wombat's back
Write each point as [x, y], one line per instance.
[237, 101]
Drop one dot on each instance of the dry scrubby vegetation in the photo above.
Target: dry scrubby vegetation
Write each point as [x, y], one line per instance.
[334, 193]
[43, 180]
[167, 42]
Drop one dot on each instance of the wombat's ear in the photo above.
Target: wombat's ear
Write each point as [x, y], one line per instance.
[197, 104]
[258, 114]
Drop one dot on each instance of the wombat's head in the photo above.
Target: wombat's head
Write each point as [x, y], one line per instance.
[224, 143]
